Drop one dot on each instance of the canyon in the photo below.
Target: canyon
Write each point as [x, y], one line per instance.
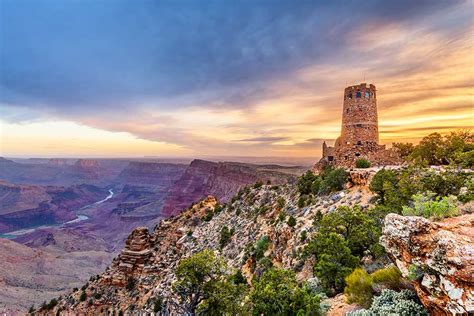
[145, 270]
[63, 220]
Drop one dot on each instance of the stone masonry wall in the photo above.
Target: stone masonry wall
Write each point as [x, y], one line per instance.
[359, 116]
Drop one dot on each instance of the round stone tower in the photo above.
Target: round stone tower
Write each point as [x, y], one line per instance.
[359, 116]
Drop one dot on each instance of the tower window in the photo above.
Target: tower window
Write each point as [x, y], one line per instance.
[357, 154]
[359, 125]
[367, 94]
[359, 142]
[347, 111]
[358, 94]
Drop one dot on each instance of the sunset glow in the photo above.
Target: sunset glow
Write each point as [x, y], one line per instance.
[266, 95]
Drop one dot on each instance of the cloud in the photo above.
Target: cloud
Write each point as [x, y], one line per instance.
[263, 139]
[250, 77]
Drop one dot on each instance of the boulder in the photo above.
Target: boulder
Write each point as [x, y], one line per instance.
[438, 257]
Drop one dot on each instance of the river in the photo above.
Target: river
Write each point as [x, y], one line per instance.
[80, 217]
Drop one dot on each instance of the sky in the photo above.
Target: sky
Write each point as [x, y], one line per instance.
[131, 78]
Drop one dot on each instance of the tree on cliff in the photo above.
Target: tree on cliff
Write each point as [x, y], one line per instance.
[205, 288]
[277, 292]
[455, 148]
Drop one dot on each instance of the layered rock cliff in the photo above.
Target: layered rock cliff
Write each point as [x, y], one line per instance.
[222, 180]
[438, 257]
[151, 173]
[24, 206]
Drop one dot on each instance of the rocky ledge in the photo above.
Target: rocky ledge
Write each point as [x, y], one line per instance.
[438, 257]
[133, 259]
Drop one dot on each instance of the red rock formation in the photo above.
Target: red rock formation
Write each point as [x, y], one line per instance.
[133, 258]
[88, 167]
[438, 257]
[220, 179]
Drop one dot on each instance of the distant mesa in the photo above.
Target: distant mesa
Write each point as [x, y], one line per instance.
[4, 160]
[57, 162]
[359, 132]
[89, 167]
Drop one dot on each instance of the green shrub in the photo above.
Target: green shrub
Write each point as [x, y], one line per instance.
[157, 304]
[218, 208]
[305, 182]
[204, 288]
[395, 189]
[430, 206]
[277, 292]
[443, 184]
[359, 288]
[316, 185]
[385, 185]
[238, 278]
[281, 202]
[83, 296]
[334, 260]
[209, 215]
[258, 185]
[414, 272]
[50, 305]
[362, 163]
[291, 221]
[318, 217]
[266, 263]
[261, 246]
[357, 227]
[224, 237]
[454, 148]
[403, 149]
[333, 180]
[281, 216]
[404, 303]
[302, 201]
[468, 194]
[303, 236]
[389, 277]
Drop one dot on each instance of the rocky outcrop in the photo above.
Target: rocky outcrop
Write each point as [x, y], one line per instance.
[134, 257]
[361, 177]
[438, 257]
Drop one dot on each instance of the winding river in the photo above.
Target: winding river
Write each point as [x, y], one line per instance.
[79, 218]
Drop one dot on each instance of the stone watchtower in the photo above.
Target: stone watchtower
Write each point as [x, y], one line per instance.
[359, 116]
[359, 132]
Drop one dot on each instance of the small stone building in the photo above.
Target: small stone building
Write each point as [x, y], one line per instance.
[359, 132]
